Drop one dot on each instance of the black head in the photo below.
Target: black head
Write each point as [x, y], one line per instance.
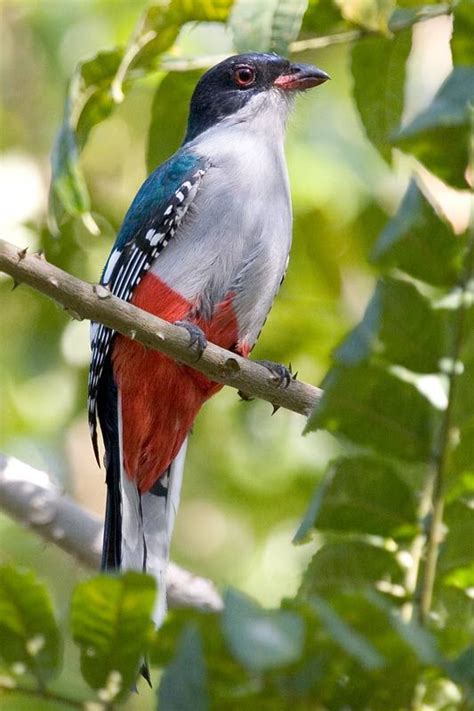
[230, 85]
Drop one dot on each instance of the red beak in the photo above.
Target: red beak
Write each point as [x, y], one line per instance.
[300, 77]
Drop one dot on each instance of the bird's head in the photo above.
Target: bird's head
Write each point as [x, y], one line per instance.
[243, 85]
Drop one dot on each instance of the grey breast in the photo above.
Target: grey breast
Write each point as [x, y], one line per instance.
[236, 235]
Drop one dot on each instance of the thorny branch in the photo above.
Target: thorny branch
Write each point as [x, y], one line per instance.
[95, 302]
[30, 497]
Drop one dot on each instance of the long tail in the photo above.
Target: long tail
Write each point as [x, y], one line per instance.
[138, 527]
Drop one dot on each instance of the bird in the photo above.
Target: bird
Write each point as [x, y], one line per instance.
[205, 244]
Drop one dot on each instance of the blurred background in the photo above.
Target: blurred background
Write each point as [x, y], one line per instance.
[249, 475]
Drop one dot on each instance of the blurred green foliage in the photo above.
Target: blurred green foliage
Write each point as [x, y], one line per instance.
[351, 628]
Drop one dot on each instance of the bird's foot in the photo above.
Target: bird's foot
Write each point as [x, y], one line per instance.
[280, 373]
[197, 336]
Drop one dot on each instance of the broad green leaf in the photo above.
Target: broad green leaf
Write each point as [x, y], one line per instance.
[461, 578]
[266, 26]
[439, 135]
[363, 495]
[110, 618]
[349, 566]
[419, 242]
[372, 15]
[68, 193]
[462, 45]
[184, 684]
[18, 701]
[463, 406]
[29, 633]
[417, 637]
[101, 82]
[261, 639]
[377, 409]
[461, 461]
[165, 136]
[223, 673]
[158, 29]
[457, 549]
[91, 101]
[400, 326]
[378, 70]
[389, 687]
[462, 669]
[322, 17]
[350, 641]
[87, 103]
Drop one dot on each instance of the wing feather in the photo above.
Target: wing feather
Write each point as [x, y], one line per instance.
[127, 264]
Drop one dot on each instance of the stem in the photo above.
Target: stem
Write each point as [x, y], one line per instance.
[425, 13]
[131, 52]
[173, 64]
[434, 533]
[417, 549]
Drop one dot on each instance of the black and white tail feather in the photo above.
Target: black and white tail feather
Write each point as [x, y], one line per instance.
[138, 526]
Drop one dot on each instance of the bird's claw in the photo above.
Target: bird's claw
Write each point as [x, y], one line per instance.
[280, 373]
[196, 335]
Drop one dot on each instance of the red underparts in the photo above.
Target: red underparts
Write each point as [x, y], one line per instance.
[161, 398]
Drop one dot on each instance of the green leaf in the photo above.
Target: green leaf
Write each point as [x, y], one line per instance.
[165, 136]
[348, 566]
[88, 102]
[68, 192]
[375, 408]
[184, 683]
[261, 639]
[461, 462]
[110, 618]
[23, 701]
[463, 405]
[157, 31]
[399, 326]
[372, 15]
[439, 135]
[29, 632]
[362, 495]
[419, 639]
[350, 641]
[457, 548]
[322, 17]
[100, 83]
[462, 45]
[462, 669]
[419, 242]
[378, 70]
[267, 26]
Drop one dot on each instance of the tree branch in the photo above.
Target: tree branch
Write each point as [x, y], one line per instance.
[398, 24]
[95, 302]
[30, 497]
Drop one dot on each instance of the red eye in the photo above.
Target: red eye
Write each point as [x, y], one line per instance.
[244, 76]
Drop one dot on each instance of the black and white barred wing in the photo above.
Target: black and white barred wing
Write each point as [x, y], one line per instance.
[126, 266]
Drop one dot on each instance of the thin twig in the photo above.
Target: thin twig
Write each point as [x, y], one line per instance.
[174, 64]
[95, 302]
[30, 497]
